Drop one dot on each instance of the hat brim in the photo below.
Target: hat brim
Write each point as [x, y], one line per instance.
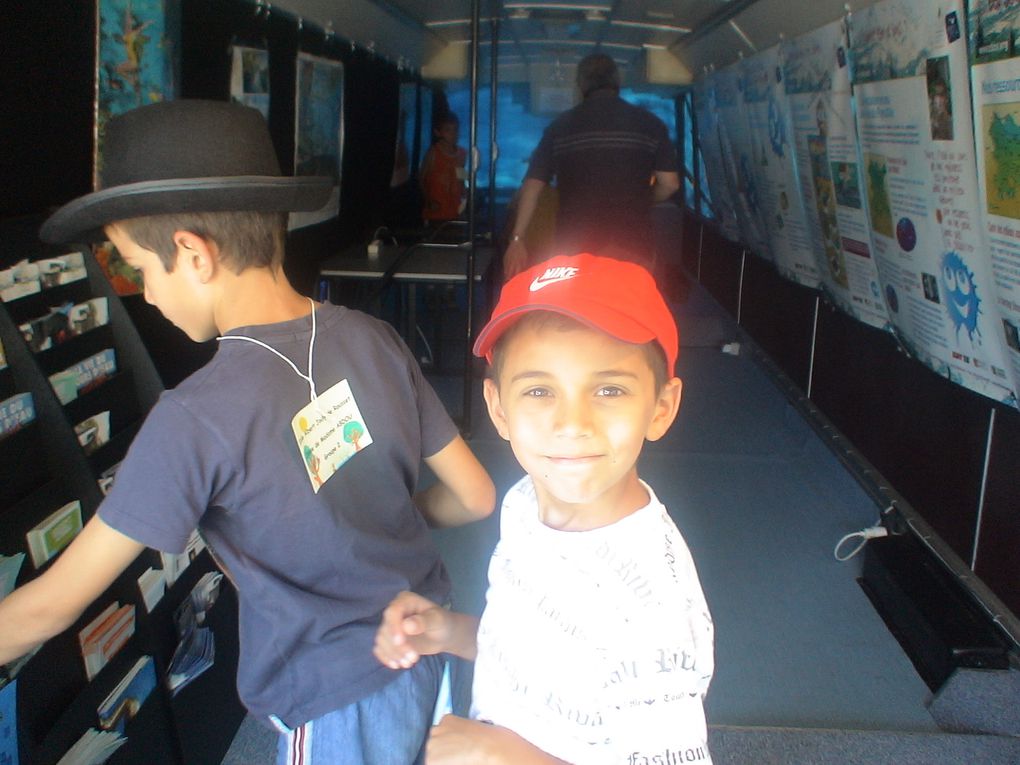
[83, 219]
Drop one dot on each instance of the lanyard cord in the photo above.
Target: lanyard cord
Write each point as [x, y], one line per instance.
[311, 347]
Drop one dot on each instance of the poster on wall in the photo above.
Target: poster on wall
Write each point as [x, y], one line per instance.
[136, 61]
[995, 88]
[318, 129]
[909, 60]
[738, 160]
[711, 153]
[249, 77]
[816, 77]
[774, 164]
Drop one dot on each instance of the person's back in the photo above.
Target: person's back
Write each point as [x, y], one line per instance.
[605, 152]
[596, 643]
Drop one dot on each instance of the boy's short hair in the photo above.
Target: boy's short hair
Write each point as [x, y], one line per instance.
[245, 239]
[597, 71]
[557, 321]
[617, 297]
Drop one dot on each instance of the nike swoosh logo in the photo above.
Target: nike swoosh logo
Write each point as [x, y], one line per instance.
[559, 275]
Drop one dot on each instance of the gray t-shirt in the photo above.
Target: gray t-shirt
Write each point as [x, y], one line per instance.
[313, 570]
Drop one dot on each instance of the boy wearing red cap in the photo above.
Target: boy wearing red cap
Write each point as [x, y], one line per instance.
[596, 644]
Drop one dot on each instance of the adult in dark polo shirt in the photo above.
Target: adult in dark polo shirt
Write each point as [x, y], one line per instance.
[610, 161]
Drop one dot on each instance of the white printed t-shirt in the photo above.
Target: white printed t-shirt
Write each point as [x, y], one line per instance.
[596, 646]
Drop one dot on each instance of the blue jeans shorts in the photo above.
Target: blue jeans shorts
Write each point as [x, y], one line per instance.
[390, 727]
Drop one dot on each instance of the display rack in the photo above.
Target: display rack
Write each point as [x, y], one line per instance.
[43, 466]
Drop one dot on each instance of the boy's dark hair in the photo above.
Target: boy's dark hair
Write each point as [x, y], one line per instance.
[245, 239]
[446, 118]
[653, 352]
[597, 71]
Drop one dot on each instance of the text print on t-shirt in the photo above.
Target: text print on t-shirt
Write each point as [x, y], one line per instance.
[329, 431]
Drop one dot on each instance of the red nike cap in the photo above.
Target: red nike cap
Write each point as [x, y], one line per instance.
[618, 297]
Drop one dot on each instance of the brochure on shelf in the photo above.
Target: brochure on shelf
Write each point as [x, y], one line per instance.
[82, 377]
[93, 748]
[9, 723]
[93, 432]
[105, 635]
[18, 281]
[152, 585]
[10, 567]
[61, 270]
[54, 533]
[128, 696]
[64, 322]
[174, 565]
[16, 412]
[105, 479]
[3, 357]
[196, 651]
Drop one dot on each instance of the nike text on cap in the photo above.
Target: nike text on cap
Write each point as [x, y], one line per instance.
[615, 296]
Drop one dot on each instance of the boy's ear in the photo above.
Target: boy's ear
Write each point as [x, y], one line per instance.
[666, 407]
[198, 254]
[491, 392]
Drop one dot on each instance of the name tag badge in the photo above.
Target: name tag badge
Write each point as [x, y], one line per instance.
[329, 431]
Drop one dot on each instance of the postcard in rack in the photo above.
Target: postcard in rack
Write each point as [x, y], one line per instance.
[105, 635]
[19, 281]
[16, 412]
[94, 747]
[127, 698]
[54, 533]
[64, 322]
[9, 723]
[87, 374]
[61, 270]
[93, 432]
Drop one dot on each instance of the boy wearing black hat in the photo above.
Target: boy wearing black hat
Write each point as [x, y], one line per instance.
[596, 644]
[295, 450]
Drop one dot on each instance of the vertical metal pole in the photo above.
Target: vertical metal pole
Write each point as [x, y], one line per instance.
[493, 144]
[472, 172]
[984, 485]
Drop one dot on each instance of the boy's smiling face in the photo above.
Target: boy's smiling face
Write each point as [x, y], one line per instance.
[577, 405]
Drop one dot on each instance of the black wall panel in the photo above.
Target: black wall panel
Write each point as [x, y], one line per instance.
[720, 271]
[998, 563]
[779, 315]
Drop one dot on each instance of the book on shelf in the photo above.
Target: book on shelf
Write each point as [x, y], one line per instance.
[10, 567]
[105, 635]
[16, 412]
[127, 697]
[64, 322]
[93, 432]
[93, 748]
[9, 723]
[54, 532]
[82, 377]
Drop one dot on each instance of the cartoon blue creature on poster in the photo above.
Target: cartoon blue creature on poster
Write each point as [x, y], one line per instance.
[960, 293]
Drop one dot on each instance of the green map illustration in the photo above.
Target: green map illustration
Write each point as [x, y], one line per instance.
[1002, 158]
[878, 195]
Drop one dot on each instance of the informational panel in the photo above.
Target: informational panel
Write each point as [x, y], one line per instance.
[910, 78]
[816, 77]
[995, 86]
[711, 153]
[738, 159]
[249, 77]
[774, 165]
[319, 129]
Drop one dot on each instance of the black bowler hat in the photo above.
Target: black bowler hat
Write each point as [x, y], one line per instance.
[185, 156]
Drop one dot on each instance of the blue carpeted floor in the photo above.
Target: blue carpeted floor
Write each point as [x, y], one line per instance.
[762, 503]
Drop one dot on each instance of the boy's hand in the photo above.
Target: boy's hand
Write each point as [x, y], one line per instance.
[412, 627]
[458, 741]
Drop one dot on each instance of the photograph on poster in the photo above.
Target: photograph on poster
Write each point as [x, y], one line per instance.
[940, 102]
